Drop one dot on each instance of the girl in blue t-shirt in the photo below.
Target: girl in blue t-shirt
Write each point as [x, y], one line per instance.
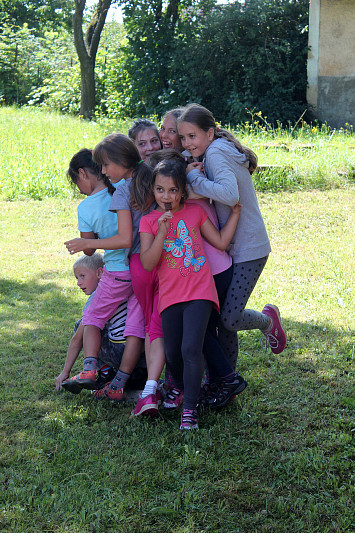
[97, 225]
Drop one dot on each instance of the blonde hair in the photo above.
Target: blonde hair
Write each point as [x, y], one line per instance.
[93, 262]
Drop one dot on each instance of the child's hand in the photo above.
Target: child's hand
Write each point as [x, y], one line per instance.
[237, 207]
[194, 165]
[164, 222]
[76, 245]
[59, 380]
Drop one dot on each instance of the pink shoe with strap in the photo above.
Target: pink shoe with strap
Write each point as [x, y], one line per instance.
[275, 335]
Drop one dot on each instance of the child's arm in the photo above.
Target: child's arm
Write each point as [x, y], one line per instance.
[152, 247]
[74, 349]
[123, 239]
[224, 187]
[89, 235]
[221, 239]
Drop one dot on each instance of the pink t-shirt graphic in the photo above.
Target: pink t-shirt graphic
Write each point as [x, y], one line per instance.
[184, 273]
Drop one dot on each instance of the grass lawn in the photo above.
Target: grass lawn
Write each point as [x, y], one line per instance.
[277, 459]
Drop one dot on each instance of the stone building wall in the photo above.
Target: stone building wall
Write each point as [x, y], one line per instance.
[331, 61]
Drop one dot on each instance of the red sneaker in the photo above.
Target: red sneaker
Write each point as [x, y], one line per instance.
[276, 335]
[146, 406]
[116, 395]
[87, 379]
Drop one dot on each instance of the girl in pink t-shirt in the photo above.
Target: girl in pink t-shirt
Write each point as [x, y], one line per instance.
[171, 239]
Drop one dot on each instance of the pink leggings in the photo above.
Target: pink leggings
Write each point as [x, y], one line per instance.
[146, 288]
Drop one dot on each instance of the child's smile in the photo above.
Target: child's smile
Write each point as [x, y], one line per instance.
[167, 194]
[195, 139]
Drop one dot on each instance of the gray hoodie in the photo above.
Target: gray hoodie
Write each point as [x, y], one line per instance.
[225, 180]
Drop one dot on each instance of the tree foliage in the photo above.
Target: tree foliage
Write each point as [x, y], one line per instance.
[39, 15]
[229, 58]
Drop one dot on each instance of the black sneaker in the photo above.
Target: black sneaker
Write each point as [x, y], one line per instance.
[105, 378]
[222, 393]
[71, 385]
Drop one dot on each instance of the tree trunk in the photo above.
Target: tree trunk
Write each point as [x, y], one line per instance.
[87, 50]
[87, 97]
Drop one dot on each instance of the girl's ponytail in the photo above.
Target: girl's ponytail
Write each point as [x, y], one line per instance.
[250, 155]
[111, 189]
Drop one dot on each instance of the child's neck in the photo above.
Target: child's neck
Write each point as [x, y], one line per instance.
[99, 186]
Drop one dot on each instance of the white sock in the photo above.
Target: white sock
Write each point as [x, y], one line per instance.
[150, 388]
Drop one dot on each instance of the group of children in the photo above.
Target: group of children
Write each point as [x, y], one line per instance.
[165, 208]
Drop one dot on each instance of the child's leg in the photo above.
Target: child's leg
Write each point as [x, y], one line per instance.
[134, 334]
[184, 327]
[234, 315]
[172, 319]
[146, 288]
[217, 361]
[229, 343]
[113, 288]
[195, 320]
[237, 318]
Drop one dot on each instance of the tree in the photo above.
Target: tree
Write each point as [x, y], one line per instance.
[39, 15]
[226, 57]
[86, 48]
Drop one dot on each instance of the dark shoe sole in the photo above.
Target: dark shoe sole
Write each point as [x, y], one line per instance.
[88, 384]
[72, 387]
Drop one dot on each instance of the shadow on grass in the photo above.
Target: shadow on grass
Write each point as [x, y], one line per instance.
[38, 317]
[274, 442]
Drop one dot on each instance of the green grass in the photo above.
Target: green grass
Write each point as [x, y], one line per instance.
[278, 459]
[36, 147]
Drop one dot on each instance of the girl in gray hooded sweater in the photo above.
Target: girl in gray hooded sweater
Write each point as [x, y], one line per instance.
[225, 177]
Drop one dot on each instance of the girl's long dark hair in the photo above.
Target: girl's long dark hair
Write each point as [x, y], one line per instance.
[84, 159]
[203, 118]
[121, 150]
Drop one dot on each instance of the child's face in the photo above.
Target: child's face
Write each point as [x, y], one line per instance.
[166, 192]
[114, 171]
[169, 134]
[147, 142]
[195, 139]
[87, 279]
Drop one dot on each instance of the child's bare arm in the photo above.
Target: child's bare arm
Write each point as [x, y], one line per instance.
[74, 349]
[123, 239]
[152, 247]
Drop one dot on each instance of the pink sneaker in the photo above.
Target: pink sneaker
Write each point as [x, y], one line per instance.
[276, 336]
[174, 398]
[189, 419]
[146, 406]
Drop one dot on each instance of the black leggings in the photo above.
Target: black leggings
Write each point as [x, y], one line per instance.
[217, 360]
[184, 329]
